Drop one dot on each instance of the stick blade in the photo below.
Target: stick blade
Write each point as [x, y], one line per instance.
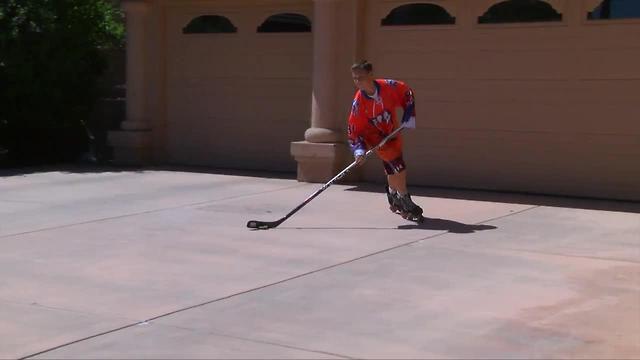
[262, 225]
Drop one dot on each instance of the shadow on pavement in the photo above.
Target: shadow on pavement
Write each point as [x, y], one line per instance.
[428, 224]
[447, 225]
[511, 198]
[88, 168]
[69, 168]
[436, 192]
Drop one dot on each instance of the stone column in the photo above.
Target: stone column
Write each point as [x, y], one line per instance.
[132, 144]
[324, 152]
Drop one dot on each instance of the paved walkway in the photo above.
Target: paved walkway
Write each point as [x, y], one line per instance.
[107, 263]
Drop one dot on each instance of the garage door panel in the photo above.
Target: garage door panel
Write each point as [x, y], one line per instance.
[542, 38]
[219, 65]
[216, 99]
[180, 71]
[433, 65]
[556, 91]
[530, 117]
[187, 145]
[260, 104]
[274, 43]
[281, 98]
[273, 112]
[292, 86]
[600, 64]
[547, 107]
[524, 161]
[190, 53]
[237, 100]
[287, 65]
[610, 91]
[393, 40]
[546, 149]
[486, 64]
[205, 43]
[216, 141]
[480, 39]
[600, 35]
[522, 65]
[184, 71]
[200, 67]
[255, 147]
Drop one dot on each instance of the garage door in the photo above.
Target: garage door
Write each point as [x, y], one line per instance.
[543, 103]
[238, 83]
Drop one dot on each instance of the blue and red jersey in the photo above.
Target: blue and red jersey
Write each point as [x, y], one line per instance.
[372, 118]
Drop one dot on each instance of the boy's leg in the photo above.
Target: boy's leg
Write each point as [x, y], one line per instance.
[398, 181]
[397, 193]
[396, 174]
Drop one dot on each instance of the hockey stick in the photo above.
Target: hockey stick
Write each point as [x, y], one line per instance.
[264, 225]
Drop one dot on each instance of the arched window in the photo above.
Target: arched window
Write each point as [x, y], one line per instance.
[515, 11]
[615, 9]
[287, 23]
[207, 24]
[418, 14]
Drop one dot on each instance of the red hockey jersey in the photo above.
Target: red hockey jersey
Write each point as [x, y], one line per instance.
[374, 117]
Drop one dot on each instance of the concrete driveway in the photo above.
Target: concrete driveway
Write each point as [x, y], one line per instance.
[158, 263]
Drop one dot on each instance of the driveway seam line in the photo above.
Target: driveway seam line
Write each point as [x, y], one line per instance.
[214, 333]
[145, 212]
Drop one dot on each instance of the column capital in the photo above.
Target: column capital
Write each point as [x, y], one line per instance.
[135, 6]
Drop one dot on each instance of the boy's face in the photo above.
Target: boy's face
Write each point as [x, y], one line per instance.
[362, 79]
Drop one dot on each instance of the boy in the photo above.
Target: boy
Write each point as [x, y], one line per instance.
[372, 118]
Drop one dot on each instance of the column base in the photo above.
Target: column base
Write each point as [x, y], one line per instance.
[131, 147]
[320, 162]
[323, 135]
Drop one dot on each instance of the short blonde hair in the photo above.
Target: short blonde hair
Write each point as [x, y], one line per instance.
[363, 65]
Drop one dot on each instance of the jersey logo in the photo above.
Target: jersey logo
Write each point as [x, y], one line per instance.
[391, 82]
[384, 118]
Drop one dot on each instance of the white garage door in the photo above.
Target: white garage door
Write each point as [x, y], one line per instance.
[544, 107]
[236, 97]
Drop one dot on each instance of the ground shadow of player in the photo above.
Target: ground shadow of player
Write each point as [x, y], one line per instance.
[447, 225]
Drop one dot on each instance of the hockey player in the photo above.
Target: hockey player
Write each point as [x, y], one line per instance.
[372, 118]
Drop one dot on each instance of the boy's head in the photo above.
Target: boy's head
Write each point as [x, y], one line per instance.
[362, 74]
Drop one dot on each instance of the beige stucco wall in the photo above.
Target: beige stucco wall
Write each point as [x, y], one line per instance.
[548, 108]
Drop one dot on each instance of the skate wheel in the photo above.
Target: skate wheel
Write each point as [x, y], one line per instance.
[412, 217]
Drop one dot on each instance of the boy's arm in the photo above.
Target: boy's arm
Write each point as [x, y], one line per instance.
[407, 101]
[356, 142]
